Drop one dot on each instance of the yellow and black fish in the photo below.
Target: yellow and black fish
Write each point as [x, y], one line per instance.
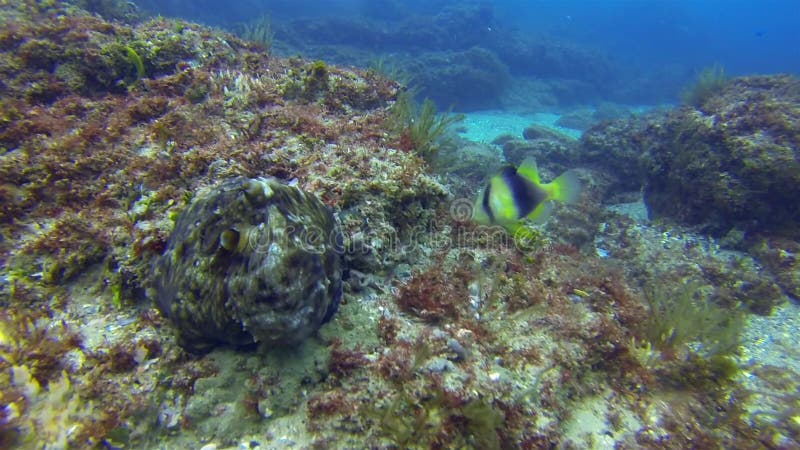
[517, 193]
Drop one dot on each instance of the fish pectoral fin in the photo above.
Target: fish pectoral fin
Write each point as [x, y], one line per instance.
[540, 213]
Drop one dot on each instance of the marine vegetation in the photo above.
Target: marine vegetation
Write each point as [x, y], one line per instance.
[406, 422]
[774, 397]
[688, 335]
[309, 83]
[392, 70]
[445, 337]
[259, 31]
[419, 126]
[709, 82]
[734, 164]
[119, 10]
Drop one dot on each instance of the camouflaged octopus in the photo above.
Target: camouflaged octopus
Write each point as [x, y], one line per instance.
[250, 261]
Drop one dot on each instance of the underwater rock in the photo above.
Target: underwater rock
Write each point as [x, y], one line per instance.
[584, 118]
[555, 59]
[535, 131]
[468, 160]
[733, 164]
[580, 119]
[468, 80]
[555, 150]
[610, 111]
[779, 256]
[250, 260]
[555, 155]
[612, 148]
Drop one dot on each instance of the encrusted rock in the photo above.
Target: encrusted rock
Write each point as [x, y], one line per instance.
[250, 260]
[735, 164]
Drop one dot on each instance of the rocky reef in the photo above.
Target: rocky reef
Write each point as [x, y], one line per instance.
[731, 163]
[166, 144]
[458, 53]
[727, 166]
[108, 133]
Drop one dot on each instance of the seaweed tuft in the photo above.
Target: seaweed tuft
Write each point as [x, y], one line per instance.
[709, 82]
[418, 126]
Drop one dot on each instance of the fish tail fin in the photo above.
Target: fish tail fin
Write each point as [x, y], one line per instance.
[566, 188]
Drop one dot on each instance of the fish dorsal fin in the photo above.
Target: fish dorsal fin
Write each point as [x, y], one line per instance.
[529, 170]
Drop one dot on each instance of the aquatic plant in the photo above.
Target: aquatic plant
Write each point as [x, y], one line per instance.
[392, 70]
[119, 10]
[40, 406]
[440, 419]
[683, 315]
[259, 31]
[426, 375]
[316, 79]
[308, 83]
[687, 337]
[136, 61]
[708, 83]
[435, 295]
[418, 126]
[738, 171]
[342, 362]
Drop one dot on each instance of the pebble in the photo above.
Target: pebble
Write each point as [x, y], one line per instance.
[460, 353]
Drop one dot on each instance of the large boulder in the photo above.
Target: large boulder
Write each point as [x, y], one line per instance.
[615, 148]
[470, 79]
[733, 163]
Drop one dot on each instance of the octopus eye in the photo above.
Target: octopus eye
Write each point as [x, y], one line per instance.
[229, 240]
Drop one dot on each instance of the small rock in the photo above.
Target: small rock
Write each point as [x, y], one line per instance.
[459, 352]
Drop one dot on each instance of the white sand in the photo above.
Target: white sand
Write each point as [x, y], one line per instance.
[485, 126]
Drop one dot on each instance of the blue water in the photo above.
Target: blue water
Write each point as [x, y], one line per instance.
[746, 36]
[470, 55]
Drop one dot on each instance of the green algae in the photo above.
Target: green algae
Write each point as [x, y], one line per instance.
[684, 315]
[259, 31]
[411, 423]
[419, 125]
[691, 341]
[136, 61]
[709, 82]
[473, 418]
